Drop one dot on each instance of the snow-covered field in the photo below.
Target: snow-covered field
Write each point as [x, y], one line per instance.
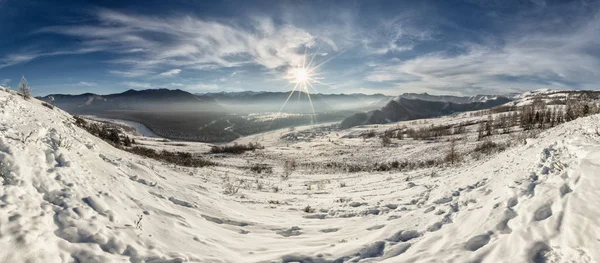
[67, 196]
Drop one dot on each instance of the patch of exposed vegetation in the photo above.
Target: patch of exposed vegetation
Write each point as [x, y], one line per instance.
[236, 148]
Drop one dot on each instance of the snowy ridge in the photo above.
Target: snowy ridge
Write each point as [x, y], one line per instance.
[67, 196]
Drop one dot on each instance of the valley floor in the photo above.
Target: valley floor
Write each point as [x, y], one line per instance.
[67, 196]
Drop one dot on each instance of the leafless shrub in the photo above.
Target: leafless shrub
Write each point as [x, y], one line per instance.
[459, 129]
[486, 147]
[321, 185]
[308, 209]
[261, 168]
[288, 167]
[368, 134]
[179, 158]
[236, 148]
[48, 105]
[138, 222]
[385, 141]
[230, 188]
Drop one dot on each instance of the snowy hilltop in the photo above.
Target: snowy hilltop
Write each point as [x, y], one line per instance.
[313, 194]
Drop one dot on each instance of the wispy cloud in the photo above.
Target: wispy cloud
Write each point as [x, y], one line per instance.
[5, 82]
[396, 35]
[170, 73]
[87, 84]
[129, 73]
[191, 42]
[18, 58]
[524, 62]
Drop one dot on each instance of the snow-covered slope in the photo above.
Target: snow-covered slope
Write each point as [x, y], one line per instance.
[67, 196]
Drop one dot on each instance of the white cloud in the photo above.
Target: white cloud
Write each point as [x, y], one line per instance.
[170, 73]
[87, 84]
[5, 82]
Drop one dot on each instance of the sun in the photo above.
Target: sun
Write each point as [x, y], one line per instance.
[301, 75]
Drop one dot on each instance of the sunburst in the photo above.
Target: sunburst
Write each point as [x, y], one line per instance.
[304, 78]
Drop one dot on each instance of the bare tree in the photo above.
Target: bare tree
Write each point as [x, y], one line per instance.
[480, 130]
[24, 88]
[489, 126]
[452, 155]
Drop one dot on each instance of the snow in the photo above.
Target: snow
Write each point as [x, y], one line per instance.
[67, 196]
[140, 129]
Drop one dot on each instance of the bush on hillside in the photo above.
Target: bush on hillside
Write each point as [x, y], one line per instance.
[236, 148]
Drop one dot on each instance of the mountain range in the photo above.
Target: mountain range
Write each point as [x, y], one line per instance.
[237, 102]
[139, 100]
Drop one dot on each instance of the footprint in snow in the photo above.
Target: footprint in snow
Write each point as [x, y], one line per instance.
[477, 242]
[502, 226]
[404, 235]
[565, 189]
[329, 230]
[543, 212]
[375, 227]
[293, 231]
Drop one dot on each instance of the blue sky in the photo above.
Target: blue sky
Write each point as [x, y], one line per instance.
[441, 47]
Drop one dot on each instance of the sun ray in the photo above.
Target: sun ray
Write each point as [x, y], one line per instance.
[288, 98]
[313, 57]
[314, 115]
[324, 62]
[313, 87]
[325, 84]
[305, 78]
[304, 58]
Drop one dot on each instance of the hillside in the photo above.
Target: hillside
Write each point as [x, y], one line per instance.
[403, 109]
[448, 98]
[67, 196]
